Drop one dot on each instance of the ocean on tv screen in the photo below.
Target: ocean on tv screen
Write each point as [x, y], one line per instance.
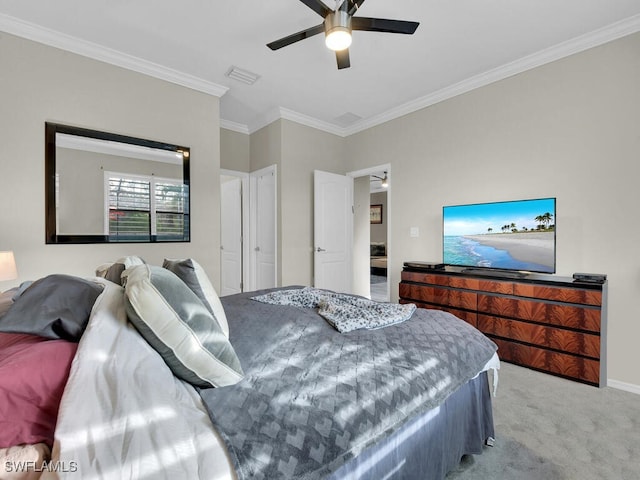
[529, 254]
[516, 235]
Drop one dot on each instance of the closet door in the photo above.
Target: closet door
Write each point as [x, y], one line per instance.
[263, 225]
[230, 235]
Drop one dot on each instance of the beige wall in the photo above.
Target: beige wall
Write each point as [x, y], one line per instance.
[234, 150]
[39, 84]
[569, 130]
[265, 146]
[304, 150]
[297, 151]
[265, 149]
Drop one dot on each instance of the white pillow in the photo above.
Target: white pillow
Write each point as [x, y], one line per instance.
[179, 327]
[191, 273]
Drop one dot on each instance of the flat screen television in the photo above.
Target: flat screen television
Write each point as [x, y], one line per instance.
[517, 236]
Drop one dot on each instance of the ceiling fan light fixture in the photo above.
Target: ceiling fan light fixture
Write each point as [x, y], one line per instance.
[338, 39]
[338, 30]
[384, 181]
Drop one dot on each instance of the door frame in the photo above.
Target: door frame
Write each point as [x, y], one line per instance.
[365, 172]
[246, 229]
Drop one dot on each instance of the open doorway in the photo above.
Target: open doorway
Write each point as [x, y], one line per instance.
[372, 221]
[378, 221]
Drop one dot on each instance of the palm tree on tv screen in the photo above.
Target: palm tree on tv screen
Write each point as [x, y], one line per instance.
[544, 219]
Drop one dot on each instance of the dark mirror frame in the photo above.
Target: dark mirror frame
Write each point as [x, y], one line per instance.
[52, 237]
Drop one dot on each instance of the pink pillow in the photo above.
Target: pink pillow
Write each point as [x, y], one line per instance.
[33, 373]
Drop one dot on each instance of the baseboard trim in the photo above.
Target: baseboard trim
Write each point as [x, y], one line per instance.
[627, 387]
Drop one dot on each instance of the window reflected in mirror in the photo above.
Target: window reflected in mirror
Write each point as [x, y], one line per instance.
[103, 187]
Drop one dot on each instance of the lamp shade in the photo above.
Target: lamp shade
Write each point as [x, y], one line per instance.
[8, 270]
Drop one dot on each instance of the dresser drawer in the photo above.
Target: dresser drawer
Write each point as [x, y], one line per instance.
[585, 344]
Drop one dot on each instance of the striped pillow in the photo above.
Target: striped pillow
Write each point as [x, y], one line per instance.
[191, 273]
[179, 327]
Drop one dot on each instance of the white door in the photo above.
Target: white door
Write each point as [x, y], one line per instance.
[263, 222]
[333, 231]
[230, 235]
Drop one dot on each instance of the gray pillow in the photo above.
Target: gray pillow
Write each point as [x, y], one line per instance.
[179, 327]
[20, 290]
[56, 307]
[113, 271]
[191, 273]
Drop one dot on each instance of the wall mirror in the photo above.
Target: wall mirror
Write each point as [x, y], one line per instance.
[102, 187]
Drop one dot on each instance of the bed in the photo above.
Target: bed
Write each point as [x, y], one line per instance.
[304, 406]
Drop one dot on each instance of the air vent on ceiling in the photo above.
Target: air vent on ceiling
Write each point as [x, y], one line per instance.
[241, 75]
[347, 119]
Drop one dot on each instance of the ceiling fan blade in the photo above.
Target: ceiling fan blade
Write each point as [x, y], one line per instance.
[296, 37]
[318, 7]
[342, 56]
[383, 25]
[354, 5]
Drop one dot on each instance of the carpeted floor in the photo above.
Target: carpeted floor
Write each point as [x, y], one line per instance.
[548, 428]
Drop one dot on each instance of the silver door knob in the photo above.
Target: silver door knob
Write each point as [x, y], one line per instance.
[320, 249]
[257, 249]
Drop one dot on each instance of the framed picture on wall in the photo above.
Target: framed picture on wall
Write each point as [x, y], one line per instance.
[375, 213]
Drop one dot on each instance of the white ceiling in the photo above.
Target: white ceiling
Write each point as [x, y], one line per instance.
[459, 45]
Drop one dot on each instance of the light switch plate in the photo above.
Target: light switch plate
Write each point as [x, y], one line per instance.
[414, 232]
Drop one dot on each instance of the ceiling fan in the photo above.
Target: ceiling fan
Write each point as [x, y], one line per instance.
[384, 181]
[339, 23]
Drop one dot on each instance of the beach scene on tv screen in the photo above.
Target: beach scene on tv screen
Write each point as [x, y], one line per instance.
[517, 235]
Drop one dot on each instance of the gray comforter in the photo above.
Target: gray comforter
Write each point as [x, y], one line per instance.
[312, 398]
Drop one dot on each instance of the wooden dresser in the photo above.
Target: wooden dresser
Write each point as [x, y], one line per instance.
[544, 322]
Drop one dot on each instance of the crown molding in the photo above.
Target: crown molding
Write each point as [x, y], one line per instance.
[303, 119]
[265, 119]
[281, 113]
[72, 44]
[31, 31]
[234, 126]
[110, 147]
[570, 47]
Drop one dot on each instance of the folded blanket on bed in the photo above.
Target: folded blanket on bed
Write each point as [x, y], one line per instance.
[344, 312]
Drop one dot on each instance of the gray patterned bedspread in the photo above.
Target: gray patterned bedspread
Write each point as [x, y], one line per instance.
[312, 398]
